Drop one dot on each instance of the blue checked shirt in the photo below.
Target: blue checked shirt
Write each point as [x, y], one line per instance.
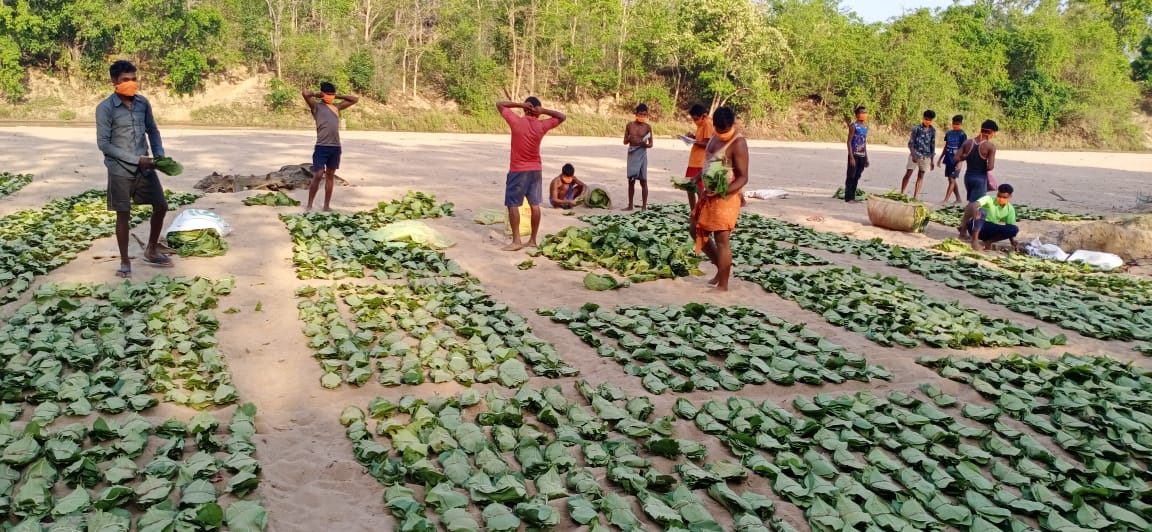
[124, 134]
[923, 141]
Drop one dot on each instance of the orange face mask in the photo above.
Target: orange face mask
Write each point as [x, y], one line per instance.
[641, 118]
[127, 88]
[698, 121]
[328, 98]
[567, 180]
[727, 136]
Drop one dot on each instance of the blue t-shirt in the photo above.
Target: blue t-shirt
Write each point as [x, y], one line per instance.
[952, 142]
[860, 139]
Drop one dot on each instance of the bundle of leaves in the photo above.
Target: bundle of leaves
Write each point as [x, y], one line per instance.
[272, 199]
[63, 475]
[598, 199]
[715, 178]
[705, 347]
[197, 243]
[440, 331]
[855, 462]
[600, 283]
[456, 449]
[337, 245]
[642, 246]
[37, 241]
[890, 312]
[108, 348]
[860, 194]
[10, 183]
[169, 166]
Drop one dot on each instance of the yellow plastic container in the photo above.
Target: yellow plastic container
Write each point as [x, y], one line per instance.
[525, 220]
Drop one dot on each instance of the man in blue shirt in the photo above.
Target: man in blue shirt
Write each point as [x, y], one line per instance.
[125, 129]
[921, 152]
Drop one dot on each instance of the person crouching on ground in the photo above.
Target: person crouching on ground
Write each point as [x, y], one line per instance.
[326, 155]
[715, 216]
[990, 219]
[566, 188]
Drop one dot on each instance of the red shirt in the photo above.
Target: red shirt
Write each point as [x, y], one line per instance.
[527, 132]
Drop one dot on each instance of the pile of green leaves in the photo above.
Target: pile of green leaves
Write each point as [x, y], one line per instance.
[272, 199]
[337, 245]
[36, 241]
[598, 199]
[706, 347]
[10, 183]
[860, 194]
[181, 475]
[600, 283]
[909, 463]
[888, 311]
[77, 349]
[642, 246]
[505, 461]
[423, 331]
[952, 214]
[197, 243]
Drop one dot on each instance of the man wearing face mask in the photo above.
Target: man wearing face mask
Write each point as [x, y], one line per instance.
[326, 155]
[990, 219]
[125, 130]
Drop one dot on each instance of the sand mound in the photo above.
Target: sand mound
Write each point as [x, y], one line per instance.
[1130, 238]
[288, 177]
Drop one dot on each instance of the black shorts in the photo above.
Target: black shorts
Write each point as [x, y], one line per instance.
[326, 158]
[141, 189]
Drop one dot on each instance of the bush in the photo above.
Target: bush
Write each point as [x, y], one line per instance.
[1035, 101]
[186, 68]
[67, 114]
[360, 69]
[280, 95]
[657, 97]
[11, 73]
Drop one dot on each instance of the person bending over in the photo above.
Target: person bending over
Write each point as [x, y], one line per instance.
[566, 188]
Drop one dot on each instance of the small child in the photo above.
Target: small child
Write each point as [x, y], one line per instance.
[857, 153]
[921, 153]
[638, 138]
[952, 141]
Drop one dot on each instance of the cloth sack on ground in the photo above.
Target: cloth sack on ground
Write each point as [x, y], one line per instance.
[491, 216]
[896, 215]
[197, 232]
[1036, 248]
[411, 231]
[1096, 259]
[766, 193]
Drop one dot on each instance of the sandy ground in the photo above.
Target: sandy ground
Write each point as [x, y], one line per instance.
[311, 481]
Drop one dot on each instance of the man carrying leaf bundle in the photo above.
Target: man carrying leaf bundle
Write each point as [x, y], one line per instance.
[125, 130]
[725, 175]
[326, 155]
[525, 179]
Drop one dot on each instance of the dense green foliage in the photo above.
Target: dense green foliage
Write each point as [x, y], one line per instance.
[1038, 64]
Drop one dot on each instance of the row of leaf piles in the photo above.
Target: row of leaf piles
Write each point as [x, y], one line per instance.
[11, 183]
[429, 321]
[708, 348]
[1112, 307]
[427, 330]
[78, 352]
[952, 214]
[338, 246]
[909, 463]
[36, 241]
[538, 459]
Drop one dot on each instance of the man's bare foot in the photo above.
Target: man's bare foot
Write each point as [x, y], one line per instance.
[718, 288]
[308, 209]
[643, 207]
[629, 208]
[531, 244]
[514, 246]
[326, 209]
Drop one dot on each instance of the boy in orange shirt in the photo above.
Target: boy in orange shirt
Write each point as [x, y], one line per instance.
[704, 132]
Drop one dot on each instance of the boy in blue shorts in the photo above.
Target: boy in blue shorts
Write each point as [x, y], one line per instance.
[953, 139]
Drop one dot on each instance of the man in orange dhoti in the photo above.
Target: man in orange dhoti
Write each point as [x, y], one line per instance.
[714, 216]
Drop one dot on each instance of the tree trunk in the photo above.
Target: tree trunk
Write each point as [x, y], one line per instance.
[515, 48]
[276, 13]
[620, 47]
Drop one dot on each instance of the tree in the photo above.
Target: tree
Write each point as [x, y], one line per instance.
[1142, 66]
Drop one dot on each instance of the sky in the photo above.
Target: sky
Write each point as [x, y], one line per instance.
[881, 10]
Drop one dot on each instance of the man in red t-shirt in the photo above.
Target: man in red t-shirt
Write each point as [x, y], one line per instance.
[525, 178]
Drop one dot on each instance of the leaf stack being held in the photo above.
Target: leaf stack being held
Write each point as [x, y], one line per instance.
[705, 347]
[715, 178]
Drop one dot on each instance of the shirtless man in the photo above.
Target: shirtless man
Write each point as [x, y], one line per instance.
[566, 188]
